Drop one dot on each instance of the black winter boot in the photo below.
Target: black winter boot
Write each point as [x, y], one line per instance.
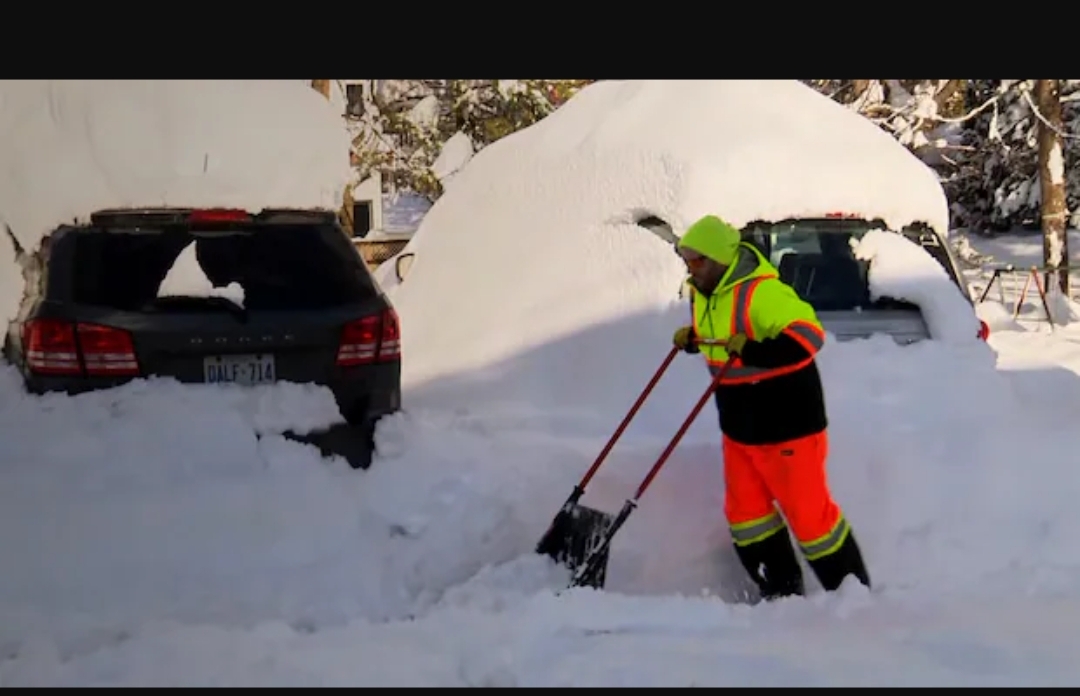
[772, 564]
[846, 560]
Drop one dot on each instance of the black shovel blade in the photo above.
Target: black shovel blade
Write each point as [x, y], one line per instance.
[575, 533]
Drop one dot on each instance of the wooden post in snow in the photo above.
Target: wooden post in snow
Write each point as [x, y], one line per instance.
[322, 87]
[1052, 182]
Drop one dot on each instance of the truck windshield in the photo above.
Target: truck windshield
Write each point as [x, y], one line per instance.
[816, 257]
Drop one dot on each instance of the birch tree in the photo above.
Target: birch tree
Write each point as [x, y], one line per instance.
[1052, 182]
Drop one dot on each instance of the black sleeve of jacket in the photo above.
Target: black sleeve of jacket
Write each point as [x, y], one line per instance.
[774, 352]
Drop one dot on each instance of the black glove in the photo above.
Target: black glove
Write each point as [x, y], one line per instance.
[685, 340]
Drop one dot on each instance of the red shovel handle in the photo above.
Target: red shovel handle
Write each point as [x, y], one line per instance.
[629, 417]
[596, 561]
[682, 431]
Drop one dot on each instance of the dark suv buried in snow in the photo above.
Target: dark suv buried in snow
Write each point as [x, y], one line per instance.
[311, 312]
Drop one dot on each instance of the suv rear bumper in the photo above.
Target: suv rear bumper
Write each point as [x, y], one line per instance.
[364, 393]
[368, 392]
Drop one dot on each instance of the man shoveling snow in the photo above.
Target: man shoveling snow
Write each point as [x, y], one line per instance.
[772, 412]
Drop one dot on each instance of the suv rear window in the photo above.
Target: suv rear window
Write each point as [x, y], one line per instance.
[280, 267]
[816, 258]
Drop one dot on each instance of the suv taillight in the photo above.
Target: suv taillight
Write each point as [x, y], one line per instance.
[369, 340]
[106, 351]
[53, 347]
[984, 331]
[50, 348]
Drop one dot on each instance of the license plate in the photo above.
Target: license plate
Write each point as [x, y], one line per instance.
[239, 369]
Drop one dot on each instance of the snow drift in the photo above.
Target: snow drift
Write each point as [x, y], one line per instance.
[903, 270]
[72, 147]
[534, 241]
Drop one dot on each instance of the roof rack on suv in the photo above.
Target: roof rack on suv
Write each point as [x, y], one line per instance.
[122, 217]
[115, 216]
[287, 215]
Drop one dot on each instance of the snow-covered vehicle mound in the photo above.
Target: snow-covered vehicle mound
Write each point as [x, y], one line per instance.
[72, 147]
[536, 240]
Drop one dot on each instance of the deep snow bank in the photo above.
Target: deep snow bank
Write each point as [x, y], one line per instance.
[533, 242]
[163, 559]
[581, 639]
[71, 147]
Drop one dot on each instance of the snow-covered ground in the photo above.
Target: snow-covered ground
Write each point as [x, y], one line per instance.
[133, 556]
[165, 535]
[1021, 251]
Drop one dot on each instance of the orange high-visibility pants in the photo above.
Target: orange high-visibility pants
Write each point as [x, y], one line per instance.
[793, 475]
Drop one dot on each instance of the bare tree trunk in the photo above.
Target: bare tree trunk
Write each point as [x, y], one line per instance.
[858, 88]
[1052, 181]
[322, 87]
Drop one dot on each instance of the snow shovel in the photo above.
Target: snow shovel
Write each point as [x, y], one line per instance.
[592, 572]
[577, 531]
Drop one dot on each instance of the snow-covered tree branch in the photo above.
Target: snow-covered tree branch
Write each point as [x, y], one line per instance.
[981, 136]
[401, 127]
